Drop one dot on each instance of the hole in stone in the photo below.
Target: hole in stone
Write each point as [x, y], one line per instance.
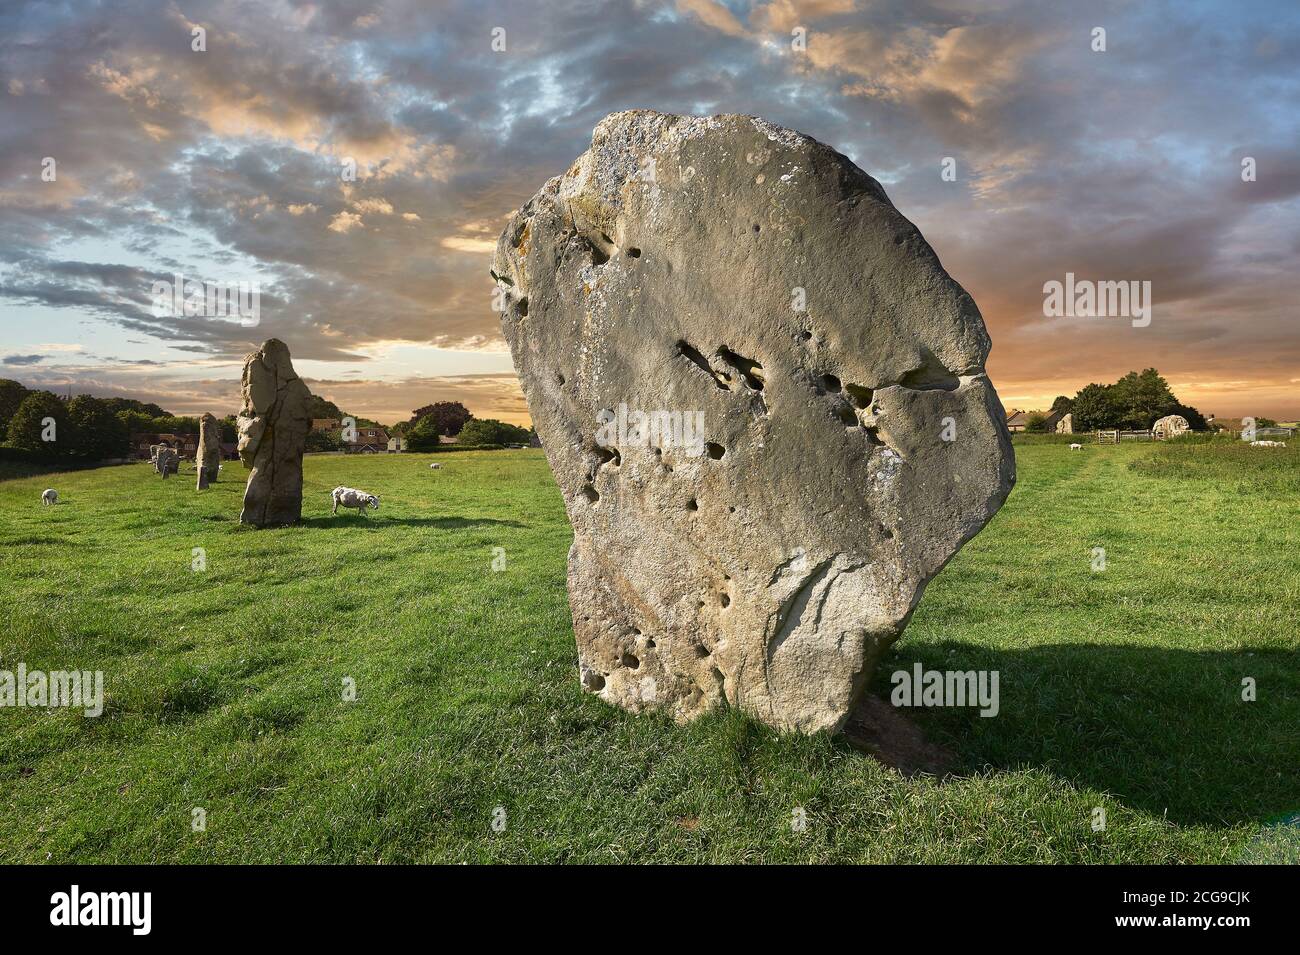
[757, 227]
[692, 505]
[633, 252]
[731, 509]
[714, 450]
[631, 662]
[595, 682]
[522, 305]
[726, 600]
[930, 376]
[886, 533]
[590, 493]
[806, 335]
[858, 395]
[649, 644]
[560, 379]
[831, 383]
[693, 354]
[701, 651]
[747, 367]
[846, 416]
[609, 456]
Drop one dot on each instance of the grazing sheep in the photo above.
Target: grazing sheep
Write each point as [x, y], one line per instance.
[351, 497]
[1268, 444]
[49, 496]
[1076, 447]
[434, 467]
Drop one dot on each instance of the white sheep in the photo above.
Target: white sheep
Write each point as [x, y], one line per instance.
[49, 496]
[1076, 447]
[434, 467]
[1268, 444]
[351, 497]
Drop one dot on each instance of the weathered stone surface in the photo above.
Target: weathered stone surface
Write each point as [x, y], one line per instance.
[208, 458]
[841, 438]
[1065, 425]
[273, 426]
[1170, 426]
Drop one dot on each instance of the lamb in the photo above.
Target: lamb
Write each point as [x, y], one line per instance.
[1076, 447]
[351, 497]
[49, 496]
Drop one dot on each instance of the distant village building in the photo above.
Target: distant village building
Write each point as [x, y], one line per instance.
[397, 444]
[1019, 421]
[367, 441]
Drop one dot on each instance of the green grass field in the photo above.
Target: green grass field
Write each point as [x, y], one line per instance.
[1119, 689]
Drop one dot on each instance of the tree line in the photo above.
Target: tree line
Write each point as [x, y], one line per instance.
[97, 429]
[1134, 403]
[85, 427]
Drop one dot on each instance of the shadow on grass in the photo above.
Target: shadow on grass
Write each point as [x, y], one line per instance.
[379, 522]
[1162, 730]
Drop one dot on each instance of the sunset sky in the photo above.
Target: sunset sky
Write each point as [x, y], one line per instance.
[225, 165]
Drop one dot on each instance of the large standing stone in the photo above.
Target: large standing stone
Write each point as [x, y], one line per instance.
[208, 458]
[273, 425]
[826, 437]
[1066, 424]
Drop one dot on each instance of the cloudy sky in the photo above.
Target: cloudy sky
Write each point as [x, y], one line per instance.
[227, 165]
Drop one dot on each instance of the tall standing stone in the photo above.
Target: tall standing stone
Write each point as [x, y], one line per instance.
[208, 458]
[273, 426]
[765, 403]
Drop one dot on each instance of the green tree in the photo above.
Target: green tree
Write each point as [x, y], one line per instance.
[448, 416]
[12, 394]
[423, 435]
[1093, 408]
[491, 431]
[1062, 404]
[28, 428]
[1141, 399]
[1037, 423]
[97, 433]
[323, 441]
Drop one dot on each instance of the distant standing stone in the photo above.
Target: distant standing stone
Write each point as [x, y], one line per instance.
[208, 458]
[273, 426]
[1170, 426]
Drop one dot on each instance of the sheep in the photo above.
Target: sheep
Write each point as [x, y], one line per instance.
[351, 497]
[434, 467]
[49, 496]
[1268, 444]
[1076, 447]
